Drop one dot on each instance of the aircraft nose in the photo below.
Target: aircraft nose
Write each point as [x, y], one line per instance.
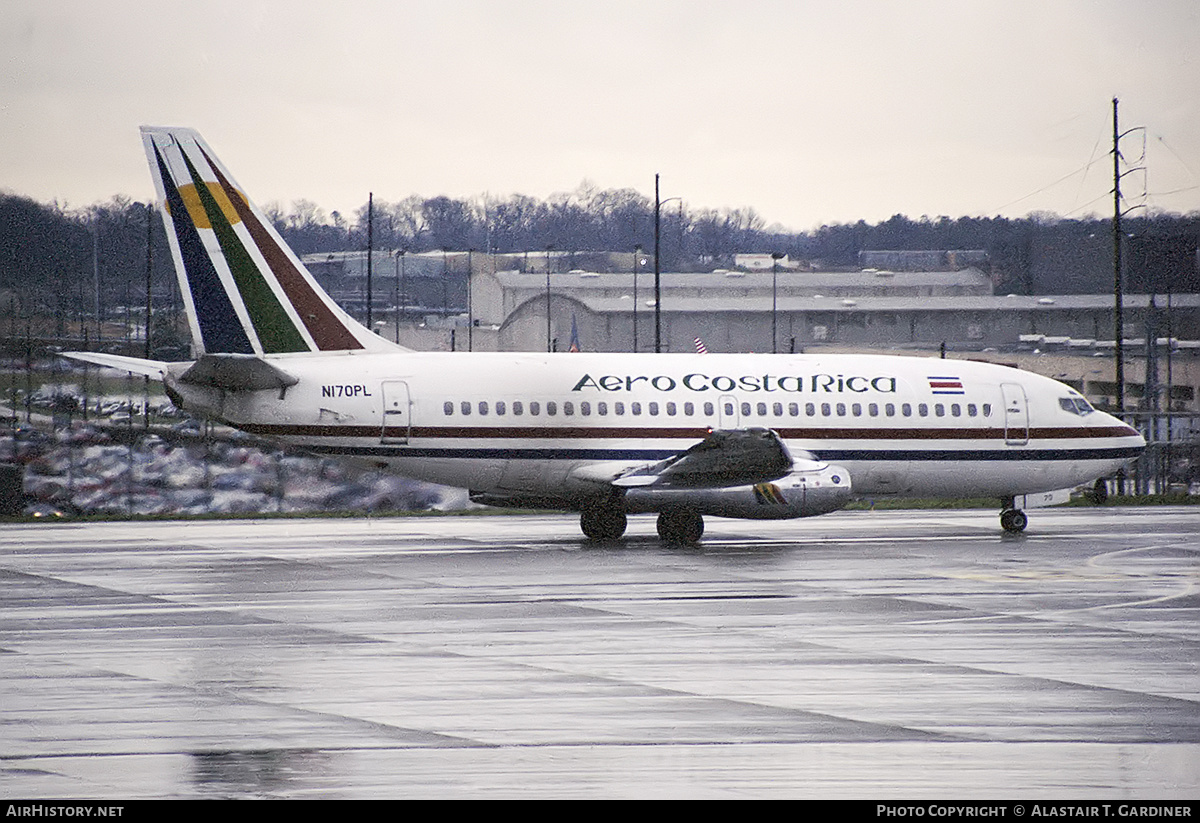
[1129, 431]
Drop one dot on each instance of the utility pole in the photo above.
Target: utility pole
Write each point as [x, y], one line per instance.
[370, 252]
[657, 272]
[1118, 290]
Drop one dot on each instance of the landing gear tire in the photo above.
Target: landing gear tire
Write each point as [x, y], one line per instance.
[603, 524]
[680, 526]
[1013, 520]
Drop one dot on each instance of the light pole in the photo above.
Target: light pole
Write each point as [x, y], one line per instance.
[775, 256]
[637, 253]
[445, 280]
[401, 285]
[658, 204]
[470, 303]
[548, 250]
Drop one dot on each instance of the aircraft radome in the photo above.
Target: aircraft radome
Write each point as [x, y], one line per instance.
[685, 435]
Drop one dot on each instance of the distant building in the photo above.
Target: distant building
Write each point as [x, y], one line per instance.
[763, 262]
[925, 260]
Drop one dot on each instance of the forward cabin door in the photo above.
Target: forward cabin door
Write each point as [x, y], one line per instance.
[727, 412]
[397, 412]
[1016, 414]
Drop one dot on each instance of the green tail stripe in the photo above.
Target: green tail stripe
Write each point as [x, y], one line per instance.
[276, 331]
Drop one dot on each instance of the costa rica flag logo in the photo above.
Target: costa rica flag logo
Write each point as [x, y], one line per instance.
[946, 385]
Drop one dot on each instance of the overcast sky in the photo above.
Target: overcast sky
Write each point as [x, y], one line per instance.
[809, 112]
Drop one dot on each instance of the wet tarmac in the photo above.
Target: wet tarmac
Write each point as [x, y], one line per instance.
[857, 655]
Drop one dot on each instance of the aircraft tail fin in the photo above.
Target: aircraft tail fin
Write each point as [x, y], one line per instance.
[245, 291]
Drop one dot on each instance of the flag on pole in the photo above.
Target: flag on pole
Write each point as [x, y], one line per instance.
[575, 347]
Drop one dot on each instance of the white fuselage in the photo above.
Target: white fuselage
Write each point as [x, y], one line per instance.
[524, 424]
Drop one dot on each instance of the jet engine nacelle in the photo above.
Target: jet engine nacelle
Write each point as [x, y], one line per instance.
[806, 493]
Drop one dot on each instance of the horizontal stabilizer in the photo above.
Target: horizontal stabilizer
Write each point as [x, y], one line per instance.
[733, 457]
[236, 373]
[136, 365]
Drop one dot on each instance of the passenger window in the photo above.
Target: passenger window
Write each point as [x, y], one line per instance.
[841, 409]
[794, 409]
[671, 409]
[535, 408]
[939, 410]
[856, 410]
[466, 407]
[635, 408]
[729, 409]
[551, 408]
[483, 407]
[708, 409]
[745, 409]
[568, 408]
[873, 409]
[619, 408]
[971, 410]
[689, 409]
[955, 410]
[777, 409]
[654, 408]
[448, 408]
[761, 408]
[500, 407]
[810, 409]
[602, 408]
[923, 410]
[906, 409]
[518, 408]
[987, 409]
[585, 408]
[825, 410]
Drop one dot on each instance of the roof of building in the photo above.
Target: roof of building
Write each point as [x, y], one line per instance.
[964, 303]
[760, 280]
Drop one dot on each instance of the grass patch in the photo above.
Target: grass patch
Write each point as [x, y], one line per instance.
[1175, 499]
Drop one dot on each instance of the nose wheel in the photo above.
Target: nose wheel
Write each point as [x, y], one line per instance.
[1013, 520]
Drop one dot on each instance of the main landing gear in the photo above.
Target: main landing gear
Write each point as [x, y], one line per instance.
[604, 523]
[1012, 519]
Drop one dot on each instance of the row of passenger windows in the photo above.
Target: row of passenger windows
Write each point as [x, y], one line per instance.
[619, 408]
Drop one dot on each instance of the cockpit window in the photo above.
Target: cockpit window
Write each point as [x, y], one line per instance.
[1075, 405]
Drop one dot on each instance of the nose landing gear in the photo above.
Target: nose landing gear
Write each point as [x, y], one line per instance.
[1012, 519]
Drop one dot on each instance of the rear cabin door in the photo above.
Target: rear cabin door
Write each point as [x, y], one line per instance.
[1016, 414]
[397, 412]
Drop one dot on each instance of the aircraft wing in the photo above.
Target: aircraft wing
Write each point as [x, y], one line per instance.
[733, 457]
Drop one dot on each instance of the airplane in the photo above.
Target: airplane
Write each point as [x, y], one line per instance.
[755, 436]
